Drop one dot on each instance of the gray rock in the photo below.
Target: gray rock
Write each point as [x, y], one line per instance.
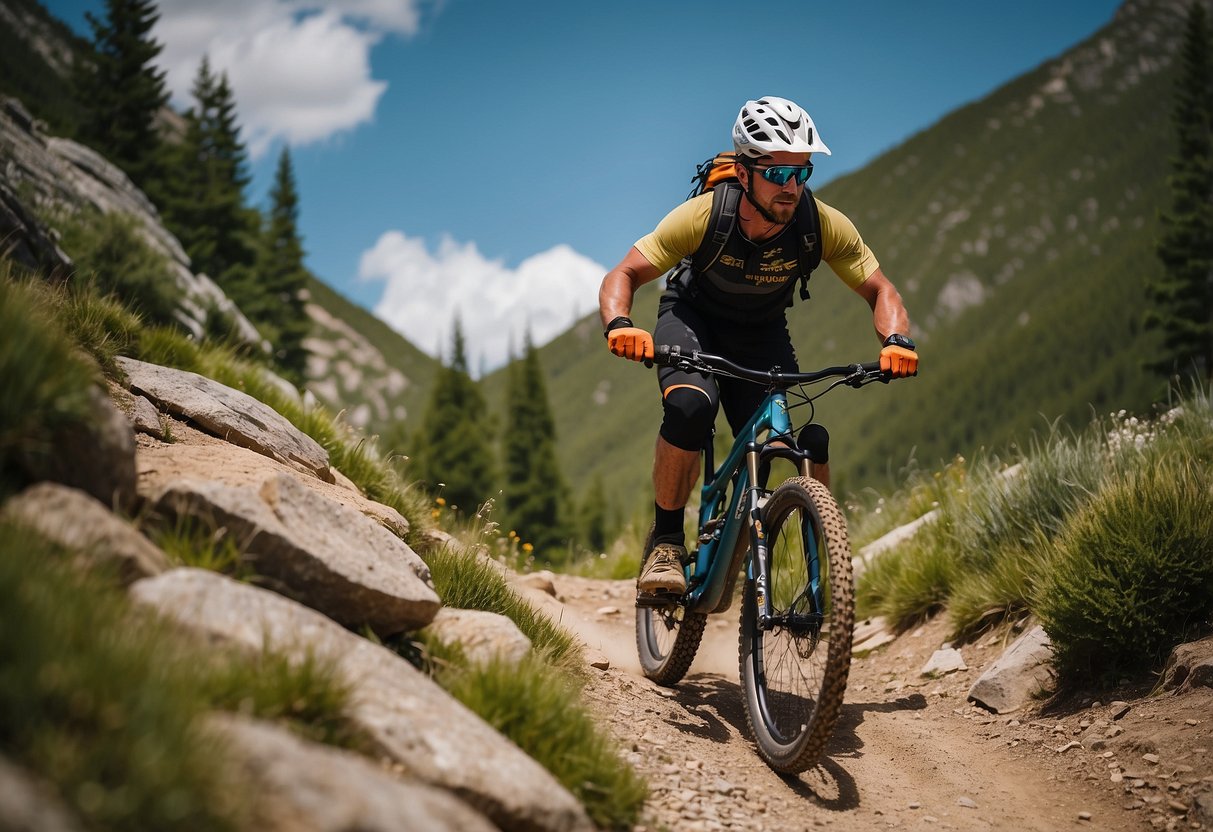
[1189, 666]
[483, 636]
[28, 806]
[944, 661]
[145, 418]
[67, 177]
[1023, 670]
[80, 524]
[96, 456]
[229, 414]
[407, 715]
[315, 550]
[306, 786]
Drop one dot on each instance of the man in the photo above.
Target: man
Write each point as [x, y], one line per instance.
[731, 299]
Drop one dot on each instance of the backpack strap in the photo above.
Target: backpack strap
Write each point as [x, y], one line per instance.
[726, 197]
[808, 233]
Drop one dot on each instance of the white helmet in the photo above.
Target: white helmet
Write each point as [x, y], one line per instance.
[771, 124]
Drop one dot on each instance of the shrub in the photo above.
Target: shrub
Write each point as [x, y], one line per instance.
[1132, 573]
[111, 254]
[46, 385]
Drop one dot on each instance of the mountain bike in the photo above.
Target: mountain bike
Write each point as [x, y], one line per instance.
[797, 600]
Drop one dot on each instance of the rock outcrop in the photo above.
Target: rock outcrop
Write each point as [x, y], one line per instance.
[60, 175]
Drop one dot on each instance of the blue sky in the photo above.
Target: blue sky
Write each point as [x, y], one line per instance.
[497, 157]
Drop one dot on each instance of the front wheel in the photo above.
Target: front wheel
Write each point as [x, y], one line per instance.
[794, 671]
[667, 638]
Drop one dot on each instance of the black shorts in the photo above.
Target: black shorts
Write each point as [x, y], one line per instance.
[759, 345]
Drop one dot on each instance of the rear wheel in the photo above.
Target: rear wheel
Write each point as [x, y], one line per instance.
[667, 638]
[794, 673]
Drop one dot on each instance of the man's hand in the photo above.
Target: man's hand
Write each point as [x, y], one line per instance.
[898, 357]
[630, 342]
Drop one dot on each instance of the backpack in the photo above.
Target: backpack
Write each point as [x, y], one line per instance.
[721, 169]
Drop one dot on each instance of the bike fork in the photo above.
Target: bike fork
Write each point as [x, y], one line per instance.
[758, 546]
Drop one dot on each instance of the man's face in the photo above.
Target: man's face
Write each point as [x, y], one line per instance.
[779, 200]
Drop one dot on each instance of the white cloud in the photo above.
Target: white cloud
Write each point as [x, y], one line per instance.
[300, 69]
[496, 304]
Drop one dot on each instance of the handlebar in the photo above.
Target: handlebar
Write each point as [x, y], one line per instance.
[854, 375]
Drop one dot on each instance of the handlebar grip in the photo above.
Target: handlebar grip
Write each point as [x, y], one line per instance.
[662, 356]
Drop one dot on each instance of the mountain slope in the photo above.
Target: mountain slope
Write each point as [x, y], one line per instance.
[1020, 230]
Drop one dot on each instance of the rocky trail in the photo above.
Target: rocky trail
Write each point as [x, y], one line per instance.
[910, 752]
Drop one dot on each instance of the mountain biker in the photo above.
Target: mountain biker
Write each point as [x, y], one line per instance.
[737, 306]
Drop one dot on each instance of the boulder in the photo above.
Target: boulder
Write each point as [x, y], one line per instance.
[1019, 673]
[315, 788]
[79, 523]
[145, 418]
[229, 414]
[198, 455]
[315, 550]
[483, 636]
[401, 710]
[1189, 666]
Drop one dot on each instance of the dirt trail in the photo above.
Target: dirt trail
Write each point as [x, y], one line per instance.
[909, 752]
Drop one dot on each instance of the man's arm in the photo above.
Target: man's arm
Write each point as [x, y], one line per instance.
[620, 285]
[889, 317]
[888, 312]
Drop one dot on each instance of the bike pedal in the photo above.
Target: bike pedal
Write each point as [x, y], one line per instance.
[658, 599]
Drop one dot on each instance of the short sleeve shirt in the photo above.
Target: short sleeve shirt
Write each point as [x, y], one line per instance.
[679, 234]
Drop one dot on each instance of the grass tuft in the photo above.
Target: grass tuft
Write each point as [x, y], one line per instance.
[538, 707]
[465, 582]
[1132, 574]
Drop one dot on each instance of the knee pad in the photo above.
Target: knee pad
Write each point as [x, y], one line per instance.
[689, 416]
[815, 440]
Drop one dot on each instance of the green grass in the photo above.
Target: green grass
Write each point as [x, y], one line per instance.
[98, 702]
[1104, 535]
[190, 542]
[463, 581]
[537, 706]
[1131, 575]
[104, 701]
[46, 384]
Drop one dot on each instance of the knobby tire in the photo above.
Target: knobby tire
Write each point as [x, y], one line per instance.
[793, 681]
[667, 638]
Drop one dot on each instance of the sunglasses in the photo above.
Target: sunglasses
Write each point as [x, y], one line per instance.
[780, 174]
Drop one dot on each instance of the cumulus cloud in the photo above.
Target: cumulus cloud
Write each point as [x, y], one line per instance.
[425, 290]
[300, 69]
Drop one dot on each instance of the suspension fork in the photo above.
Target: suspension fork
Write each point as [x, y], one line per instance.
[759, 563]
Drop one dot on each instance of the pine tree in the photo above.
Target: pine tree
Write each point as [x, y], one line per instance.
[122, 91]
[1183, 297]
[205, 204]
[455, 450]
[533, 490]
[282, 275]
[593, 516]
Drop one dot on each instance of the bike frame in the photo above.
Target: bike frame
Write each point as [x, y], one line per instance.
[713, 573]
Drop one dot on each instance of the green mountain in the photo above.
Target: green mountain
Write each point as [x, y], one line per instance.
[1020, 231]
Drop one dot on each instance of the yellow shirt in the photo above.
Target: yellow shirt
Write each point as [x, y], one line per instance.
[679, 234]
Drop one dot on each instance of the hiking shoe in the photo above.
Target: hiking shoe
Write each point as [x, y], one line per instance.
[662, 572]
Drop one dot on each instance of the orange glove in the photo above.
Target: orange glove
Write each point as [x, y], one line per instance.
[899, 361]
[631, 342]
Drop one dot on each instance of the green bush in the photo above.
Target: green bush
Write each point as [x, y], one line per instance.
[46, 384]
[111, 254]
[1132, 574]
